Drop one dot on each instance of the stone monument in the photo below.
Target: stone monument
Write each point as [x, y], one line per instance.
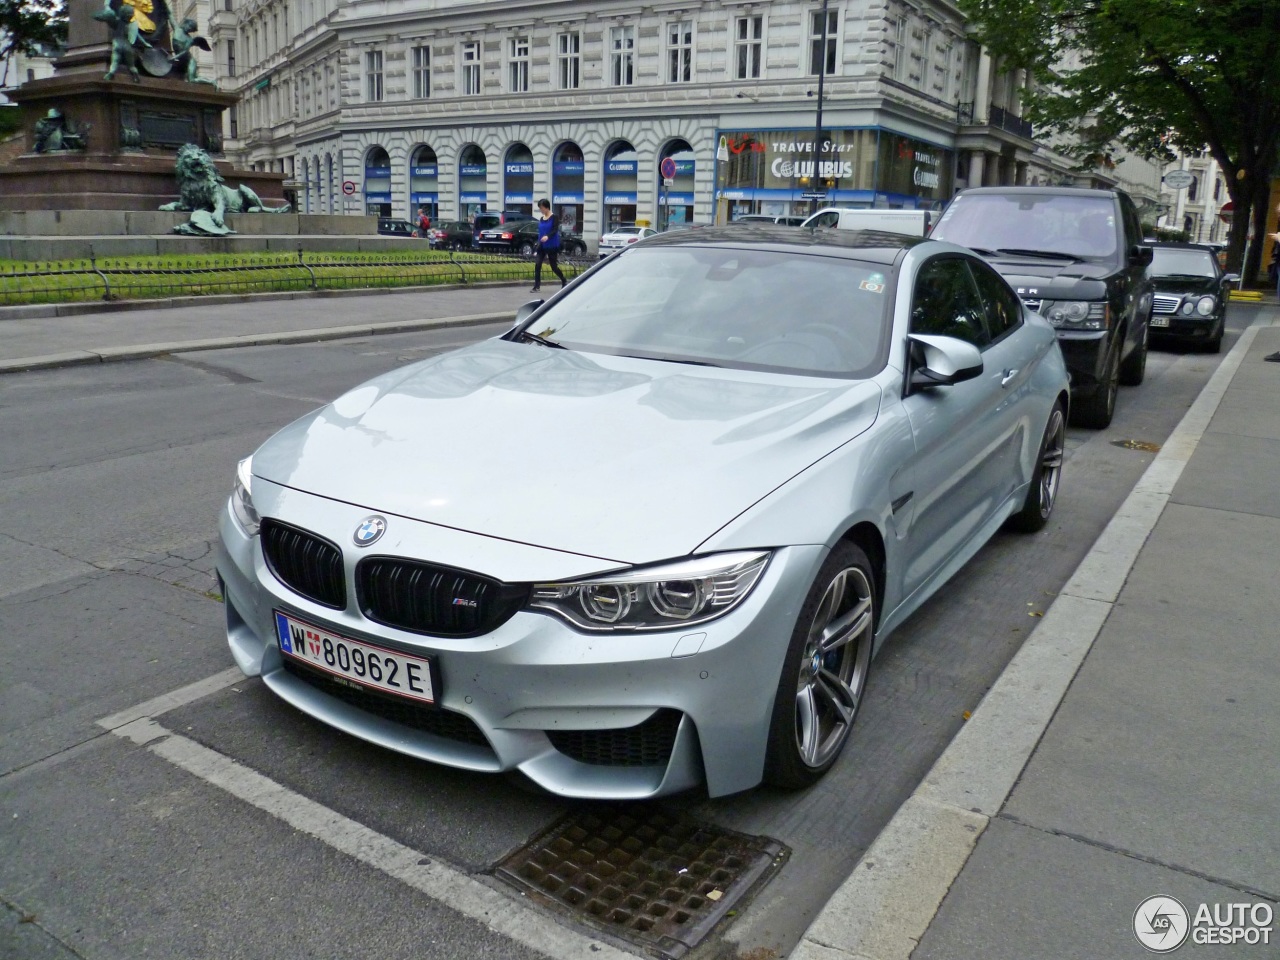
[104, 131]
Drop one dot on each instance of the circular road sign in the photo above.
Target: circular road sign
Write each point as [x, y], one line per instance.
[1178, 179]
[1225, 213]
[668, 168]
[348, 187]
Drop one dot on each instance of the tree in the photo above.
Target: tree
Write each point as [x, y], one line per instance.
[1153, 75]
[32, 28]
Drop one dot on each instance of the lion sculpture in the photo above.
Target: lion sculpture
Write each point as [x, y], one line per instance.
[202, 190]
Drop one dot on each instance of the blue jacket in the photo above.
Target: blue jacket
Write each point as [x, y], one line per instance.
[549, 233]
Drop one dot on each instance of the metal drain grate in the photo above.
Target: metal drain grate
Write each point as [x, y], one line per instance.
[657, 879]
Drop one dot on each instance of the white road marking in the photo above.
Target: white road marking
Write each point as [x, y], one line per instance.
[451, 888]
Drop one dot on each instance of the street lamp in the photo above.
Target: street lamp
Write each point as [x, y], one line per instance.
[816, 177]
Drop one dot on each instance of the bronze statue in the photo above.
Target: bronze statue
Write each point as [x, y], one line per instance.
[125, 36]
[202, 191]
[184, 38]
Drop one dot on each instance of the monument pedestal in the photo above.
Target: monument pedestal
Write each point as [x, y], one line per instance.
[131, 133]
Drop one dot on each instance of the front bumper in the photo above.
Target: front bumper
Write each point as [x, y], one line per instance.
[535, 695]
[1182, 327]
[1085, 353]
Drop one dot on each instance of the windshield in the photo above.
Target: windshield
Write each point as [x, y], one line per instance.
[1077, 226]
[794, 312]
[1172, 261]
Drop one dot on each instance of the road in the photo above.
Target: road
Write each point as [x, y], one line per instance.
[118, 846]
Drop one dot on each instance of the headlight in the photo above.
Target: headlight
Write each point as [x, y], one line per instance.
[655, 598]
[1077, 314]
[1206, 306]
[242, 498]
[1188, 307]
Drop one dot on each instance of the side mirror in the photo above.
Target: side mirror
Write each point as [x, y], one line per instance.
[525, 310]
[1231, 278]
[1141, 255]
[940, 361]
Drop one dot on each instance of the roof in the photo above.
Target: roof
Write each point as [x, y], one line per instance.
[875, 245]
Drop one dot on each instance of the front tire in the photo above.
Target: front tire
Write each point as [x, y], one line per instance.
[824, 672]
[1134, 368]
[1095, 412]
[1045, 478]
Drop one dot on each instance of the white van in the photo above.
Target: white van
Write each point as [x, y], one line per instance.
[914, 223]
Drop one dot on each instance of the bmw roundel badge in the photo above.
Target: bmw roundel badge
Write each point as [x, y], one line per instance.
[370, 529]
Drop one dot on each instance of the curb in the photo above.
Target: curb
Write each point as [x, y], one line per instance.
[145, 351]
[889, 900]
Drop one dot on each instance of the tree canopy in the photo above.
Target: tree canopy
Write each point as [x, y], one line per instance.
[1151, 76]
[32, 28]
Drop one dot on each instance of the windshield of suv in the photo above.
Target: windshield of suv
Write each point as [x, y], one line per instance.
[794, 312]
[1181, 262]
[1075, 226]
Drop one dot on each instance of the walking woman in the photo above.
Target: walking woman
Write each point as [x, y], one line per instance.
[548, 244]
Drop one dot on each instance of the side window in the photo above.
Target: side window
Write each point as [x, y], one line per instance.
[828, 219]
[1004, 310]
[1132, 224]
[946, 302]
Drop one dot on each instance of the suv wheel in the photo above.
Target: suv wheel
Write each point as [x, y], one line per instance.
[1096, 411]
[1134, 367]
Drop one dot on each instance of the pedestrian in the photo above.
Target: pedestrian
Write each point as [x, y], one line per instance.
[548, 244]
[424, 222]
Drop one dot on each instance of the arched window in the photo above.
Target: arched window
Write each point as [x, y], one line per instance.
[568, 167]
[620, 167]
[675, 193]
[473, 183]
[377, 183]
[517, 172]
[423, 184]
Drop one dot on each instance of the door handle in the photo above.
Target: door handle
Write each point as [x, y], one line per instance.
[1008, 375]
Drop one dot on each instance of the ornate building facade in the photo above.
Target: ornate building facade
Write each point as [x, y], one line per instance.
[659, 112]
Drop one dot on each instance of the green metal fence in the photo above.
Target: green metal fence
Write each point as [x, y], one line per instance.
[147, 278]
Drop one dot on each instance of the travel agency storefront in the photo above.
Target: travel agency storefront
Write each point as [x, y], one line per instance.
[772, 171]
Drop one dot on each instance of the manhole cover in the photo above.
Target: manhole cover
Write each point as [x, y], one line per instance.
[1137, 445]
[657, 879]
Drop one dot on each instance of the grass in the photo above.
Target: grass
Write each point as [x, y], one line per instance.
[148, 278]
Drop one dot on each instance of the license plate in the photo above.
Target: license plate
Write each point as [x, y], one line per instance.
[1159, 321]
[354, 661]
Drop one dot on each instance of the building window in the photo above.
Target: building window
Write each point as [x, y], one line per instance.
[747, 45]
[231, 58]
[822, 57]
[233, 122]
[680, 51]
[569, 60]
[470, 80]
[421, 73]
[518, 65]
[373, 76]
[622, 48]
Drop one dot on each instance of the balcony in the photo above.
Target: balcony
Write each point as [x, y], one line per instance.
[1004, 120]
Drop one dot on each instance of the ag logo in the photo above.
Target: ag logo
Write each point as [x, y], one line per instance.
[1161, 924]
[369, 530]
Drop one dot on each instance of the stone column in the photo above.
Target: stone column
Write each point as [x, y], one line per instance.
[982, 90]
[977, 163]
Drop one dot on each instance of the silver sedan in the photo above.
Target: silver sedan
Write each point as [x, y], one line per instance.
[653, 536]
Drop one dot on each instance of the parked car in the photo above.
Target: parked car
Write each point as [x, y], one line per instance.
[450, 235]
[522, 238]
[1191, 294]
[496, 218]
[914, 223]
[785, 221]
[695, 598]
[392, 227]
[1078, 257]
[620, 237]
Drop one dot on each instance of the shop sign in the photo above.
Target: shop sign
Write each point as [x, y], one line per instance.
[679, 199]
[474, 198]
[512, 198]
[423, 197]
[567, 198]
[620, 198]
[569, 167]
[377, 197]
[621, 166]
[377, 171]
[473, 170]
[520, 169]
[428, 170]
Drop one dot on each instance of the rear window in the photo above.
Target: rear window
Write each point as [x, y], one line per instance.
[1172, 261]
[1079, 226]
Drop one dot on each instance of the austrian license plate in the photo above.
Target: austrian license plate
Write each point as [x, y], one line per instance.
[1159, 321]
[355, 662]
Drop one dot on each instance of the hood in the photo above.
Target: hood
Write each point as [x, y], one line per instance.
[1186, 284]
[624, 459]
[1054, 279]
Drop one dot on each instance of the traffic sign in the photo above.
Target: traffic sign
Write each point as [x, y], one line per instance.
[1225, 213]
[349, 187]
[1178, 179]
[668, 168]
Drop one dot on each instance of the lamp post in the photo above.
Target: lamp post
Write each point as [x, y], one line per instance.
[815, 177]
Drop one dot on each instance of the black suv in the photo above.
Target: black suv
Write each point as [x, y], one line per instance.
[487, 220]
[1078, 257]
[522, 238]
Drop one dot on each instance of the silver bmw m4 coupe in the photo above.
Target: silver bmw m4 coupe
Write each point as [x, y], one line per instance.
[653, 536]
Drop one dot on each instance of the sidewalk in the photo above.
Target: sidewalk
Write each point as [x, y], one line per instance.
[1129, 750]
[30, 338]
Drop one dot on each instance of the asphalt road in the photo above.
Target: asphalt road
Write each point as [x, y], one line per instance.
[110, 479]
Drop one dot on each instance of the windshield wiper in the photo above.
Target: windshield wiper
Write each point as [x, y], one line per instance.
[537, 338]
[1183, 276]
[694, 363]
[1046, 254]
